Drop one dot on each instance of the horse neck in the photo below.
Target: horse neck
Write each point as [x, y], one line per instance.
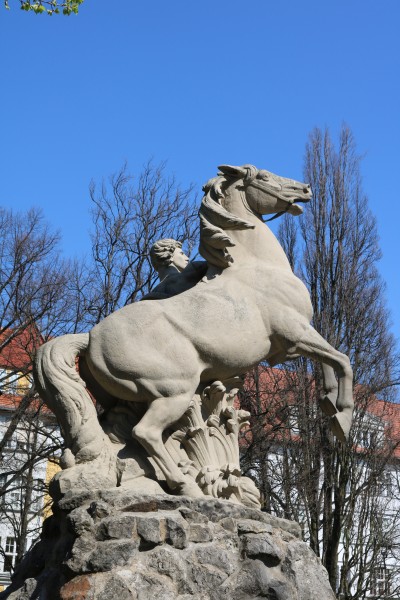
[253, 244]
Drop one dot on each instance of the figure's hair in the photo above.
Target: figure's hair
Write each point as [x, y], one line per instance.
[162, 251]
[215, 219]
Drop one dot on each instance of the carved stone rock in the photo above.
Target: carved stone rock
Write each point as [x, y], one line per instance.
[109, 545]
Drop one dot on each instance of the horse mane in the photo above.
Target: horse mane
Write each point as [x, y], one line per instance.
[215, 220]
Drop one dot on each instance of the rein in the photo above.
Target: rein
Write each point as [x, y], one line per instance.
[279, 214]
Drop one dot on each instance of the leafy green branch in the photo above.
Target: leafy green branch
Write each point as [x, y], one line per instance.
[49, 7]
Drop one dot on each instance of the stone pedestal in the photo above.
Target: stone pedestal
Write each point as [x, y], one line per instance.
[111, 545]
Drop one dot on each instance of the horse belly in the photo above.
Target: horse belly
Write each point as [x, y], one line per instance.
[163, 348]
[228, 332]
[229, 361]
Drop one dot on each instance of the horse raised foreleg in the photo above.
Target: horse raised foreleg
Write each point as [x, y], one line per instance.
[162, 413]
[327, 402]
[312, 345]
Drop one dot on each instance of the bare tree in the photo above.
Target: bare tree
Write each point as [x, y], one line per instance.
[36, 303]
[43, 295]
[129, 215]
[24, 475]
[328, 486]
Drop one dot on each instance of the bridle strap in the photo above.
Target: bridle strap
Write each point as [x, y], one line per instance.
[279, 214]
[249, 179]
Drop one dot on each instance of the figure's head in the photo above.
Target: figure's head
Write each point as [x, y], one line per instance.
[167, 252]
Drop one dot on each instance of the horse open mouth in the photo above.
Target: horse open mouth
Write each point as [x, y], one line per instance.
[296, 210]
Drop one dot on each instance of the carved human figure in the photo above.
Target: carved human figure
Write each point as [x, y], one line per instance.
[167, 257]
[175, 271]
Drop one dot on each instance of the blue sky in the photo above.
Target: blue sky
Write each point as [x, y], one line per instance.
[197, 84]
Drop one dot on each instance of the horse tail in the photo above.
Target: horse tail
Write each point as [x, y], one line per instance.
[62, 389]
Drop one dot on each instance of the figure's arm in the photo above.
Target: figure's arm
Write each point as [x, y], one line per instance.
[179, 282]
[196, 270]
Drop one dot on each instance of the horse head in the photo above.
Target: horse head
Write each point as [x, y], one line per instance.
[236, 194]
[267, 193]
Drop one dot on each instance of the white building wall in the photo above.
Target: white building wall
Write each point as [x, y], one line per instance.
[15, 457]
[387, 507]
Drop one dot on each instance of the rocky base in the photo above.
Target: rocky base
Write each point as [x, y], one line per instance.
[111, 545]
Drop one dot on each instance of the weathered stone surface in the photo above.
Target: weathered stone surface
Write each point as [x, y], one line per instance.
[80, 553]
[229, 524]
[110, 547]
[177, 531]
[79, 521]
[118, 527]
[215, 556]
[110, 554]
[251, 526]
[152, 530]
[193, 516]
[199, 532]
[26, 591]
[76, 589]
[207, 509]
[98, 509]
[262, 547]
[305, 569]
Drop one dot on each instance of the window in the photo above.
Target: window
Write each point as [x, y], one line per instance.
[372, 433]
[294, 420]
[3, 482]
[385, 484]
[380, 585]
[10, 443]
[387, 523]
[10, 554]
[22, 445]
[3, 375]
[39, 487]
[16, 495]
[13, 383]
[9, 382]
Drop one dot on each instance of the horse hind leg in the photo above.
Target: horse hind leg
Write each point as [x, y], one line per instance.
[312, 345]
[162, 413]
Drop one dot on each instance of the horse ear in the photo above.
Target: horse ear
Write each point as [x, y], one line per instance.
[232, 171]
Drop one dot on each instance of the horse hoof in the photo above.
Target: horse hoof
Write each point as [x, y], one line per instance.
[340, 427]
[189, 488]
[327, 406]
[67, 459]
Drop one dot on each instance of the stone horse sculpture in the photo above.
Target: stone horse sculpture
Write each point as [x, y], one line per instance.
[248, 307]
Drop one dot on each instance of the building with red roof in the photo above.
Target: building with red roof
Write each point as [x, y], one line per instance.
[288, 449]
[29, 436]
